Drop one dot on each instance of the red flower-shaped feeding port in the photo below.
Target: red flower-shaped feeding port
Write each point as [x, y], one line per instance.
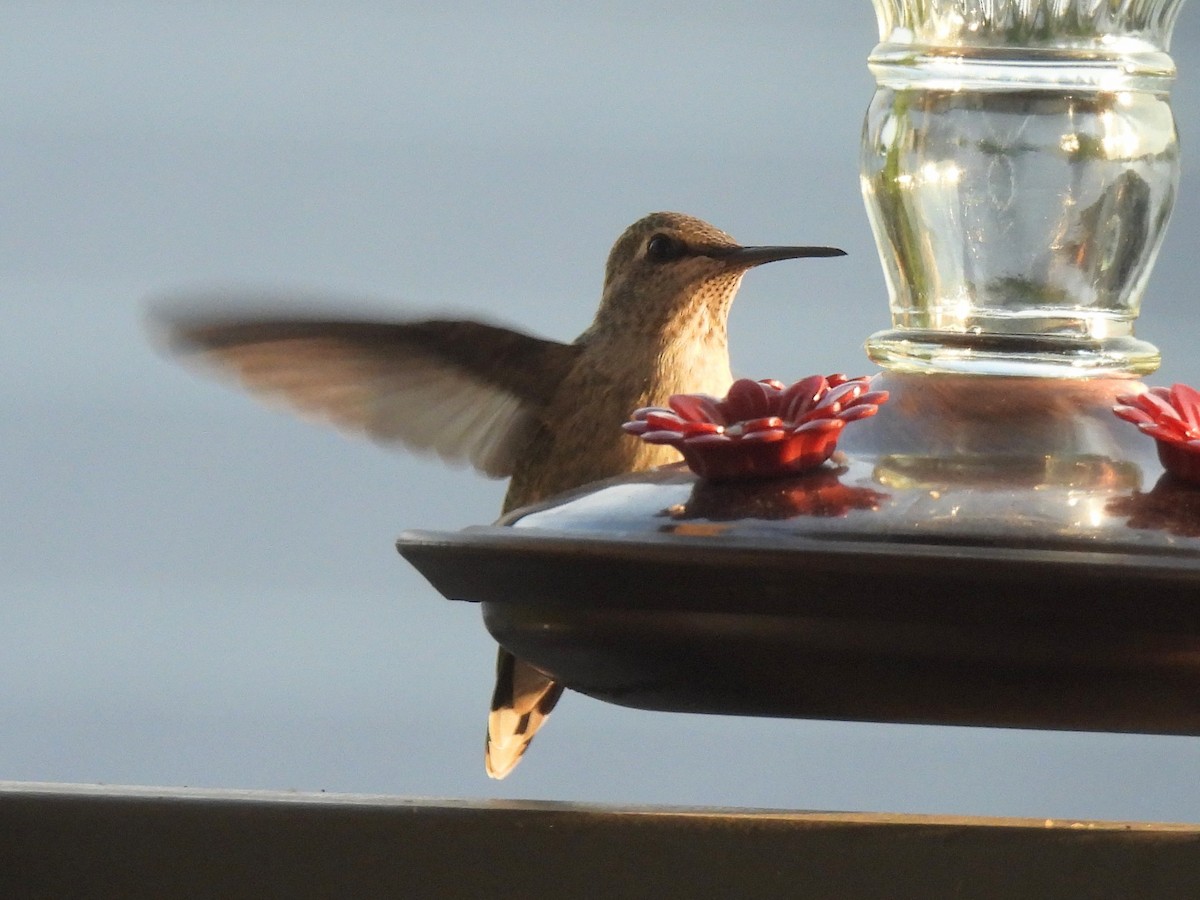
[1172, 417]
[761, 428]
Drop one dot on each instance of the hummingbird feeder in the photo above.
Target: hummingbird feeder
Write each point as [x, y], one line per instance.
[995, 546]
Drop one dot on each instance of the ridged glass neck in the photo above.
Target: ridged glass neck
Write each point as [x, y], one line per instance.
[1101, 25]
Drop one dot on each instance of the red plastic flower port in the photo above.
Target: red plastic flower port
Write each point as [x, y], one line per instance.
[1172, 418]
[761, 428]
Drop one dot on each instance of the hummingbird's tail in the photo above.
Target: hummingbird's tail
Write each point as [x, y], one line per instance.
[521, 702]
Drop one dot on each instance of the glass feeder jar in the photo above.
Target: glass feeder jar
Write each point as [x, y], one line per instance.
[1019, 165]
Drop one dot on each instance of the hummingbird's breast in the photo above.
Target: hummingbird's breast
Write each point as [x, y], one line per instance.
[580, 439]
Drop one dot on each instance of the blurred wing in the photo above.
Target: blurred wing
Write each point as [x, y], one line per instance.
[463, 390]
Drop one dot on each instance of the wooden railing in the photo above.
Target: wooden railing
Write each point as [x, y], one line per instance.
[62, 841]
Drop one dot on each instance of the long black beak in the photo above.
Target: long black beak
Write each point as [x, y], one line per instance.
[755, 256]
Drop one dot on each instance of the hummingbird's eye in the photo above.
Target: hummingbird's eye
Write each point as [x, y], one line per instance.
[663, 248]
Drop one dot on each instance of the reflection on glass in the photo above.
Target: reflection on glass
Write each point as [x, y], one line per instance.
[1082, 473]
[995, 220]
[1009, 498]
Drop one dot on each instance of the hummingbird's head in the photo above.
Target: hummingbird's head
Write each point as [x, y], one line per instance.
[668, 265]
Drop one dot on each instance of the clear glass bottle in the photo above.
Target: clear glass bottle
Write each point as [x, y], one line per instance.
[1019, 165]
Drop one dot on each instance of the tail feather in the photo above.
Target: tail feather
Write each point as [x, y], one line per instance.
[522, 701]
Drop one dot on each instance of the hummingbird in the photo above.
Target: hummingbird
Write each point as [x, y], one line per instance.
[545, 414]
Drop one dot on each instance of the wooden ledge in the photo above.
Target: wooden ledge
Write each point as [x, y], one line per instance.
[59, 840]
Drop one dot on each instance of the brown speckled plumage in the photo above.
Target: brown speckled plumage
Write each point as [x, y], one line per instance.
[660, 330]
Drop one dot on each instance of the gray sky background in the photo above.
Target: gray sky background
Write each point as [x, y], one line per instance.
[197, 591]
